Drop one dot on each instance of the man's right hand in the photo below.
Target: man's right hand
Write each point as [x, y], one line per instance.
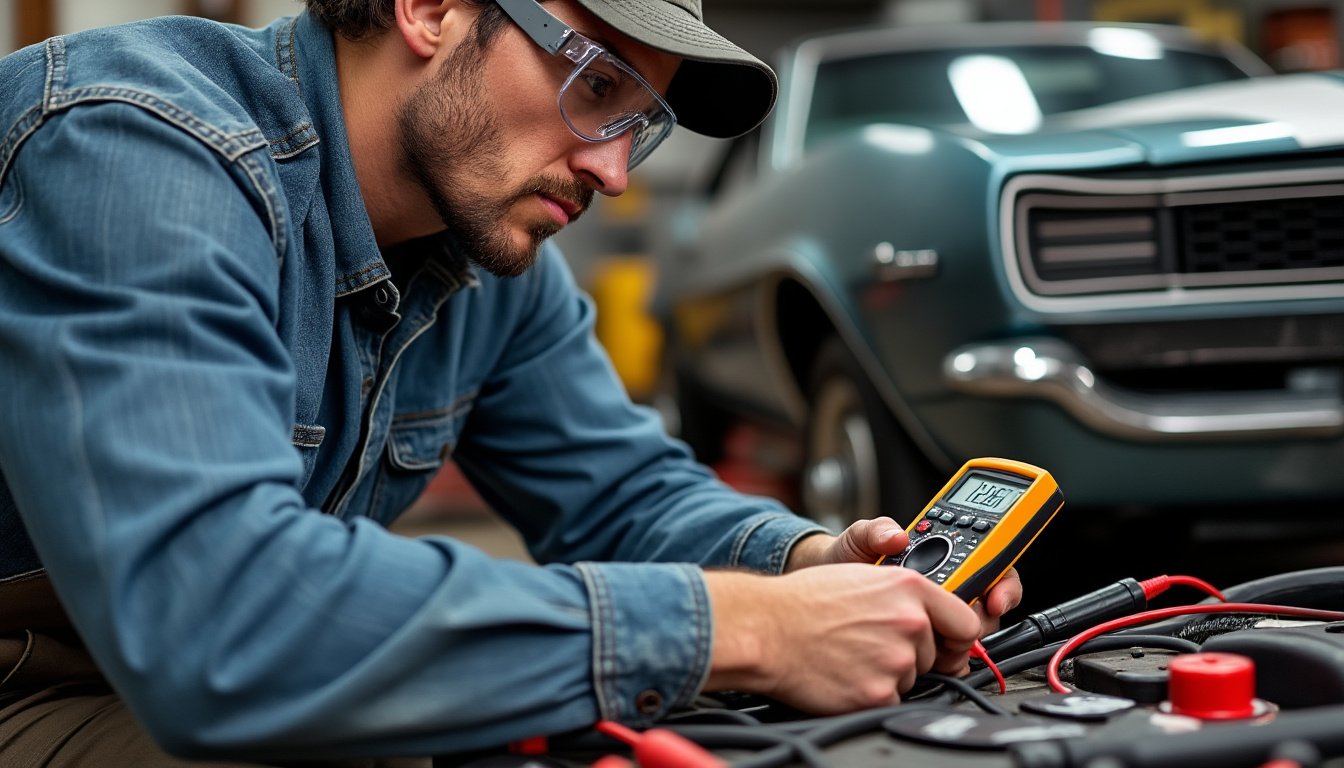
[835, 638]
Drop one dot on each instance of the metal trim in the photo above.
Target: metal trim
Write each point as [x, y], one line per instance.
[1052, 370]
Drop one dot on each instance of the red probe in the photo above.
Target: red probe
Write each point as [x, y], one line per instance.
[657, 748]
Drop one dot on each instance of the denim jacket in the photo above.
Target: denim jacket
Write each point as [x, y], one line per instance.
[217, 391]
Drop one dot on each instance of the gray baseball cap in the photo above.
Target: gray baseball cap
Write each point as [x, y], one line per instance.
[719, 90]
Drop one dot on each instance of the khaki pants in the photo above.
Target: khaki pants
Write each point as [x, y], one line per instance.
[57, 710]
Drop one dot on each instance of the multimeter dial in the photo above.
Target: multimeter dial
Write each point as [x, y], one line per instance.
[941, 541]
[928, 554]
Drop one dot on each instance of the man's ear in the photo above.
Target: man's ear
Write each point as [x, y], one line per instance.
[424, 24]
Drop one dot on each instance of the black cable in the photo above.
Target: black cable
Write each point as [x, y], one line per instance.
[707, 715]
[826, 731]
[805, 739]
[968, 692]
[1122, 598]
[783, 748]
[1311, 588]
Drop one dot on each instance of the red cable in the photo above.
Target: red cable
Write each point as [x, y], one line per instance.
[615, 730]
[1052, 669]
[660, 748]
[1159, 584]
[979, 652]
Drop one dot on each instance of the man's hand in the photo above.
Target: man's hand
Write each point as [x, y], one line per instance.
[837, 637]
[867, 540]
[862, 542]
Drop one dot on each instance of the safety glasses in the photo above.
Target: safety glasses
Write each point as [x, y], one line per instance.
[603, 97]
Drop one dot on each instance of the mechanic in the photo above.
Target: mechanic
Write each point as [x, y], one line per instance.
[257, 285]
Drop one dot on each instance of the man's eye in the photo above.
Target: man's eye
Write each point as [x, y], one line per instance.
[599, 84]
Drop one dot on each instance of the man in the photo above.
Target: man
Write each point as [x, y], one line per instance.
[257, 285]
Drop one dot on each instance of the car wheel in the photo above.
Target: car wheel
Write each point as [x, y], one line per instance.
[859, 463]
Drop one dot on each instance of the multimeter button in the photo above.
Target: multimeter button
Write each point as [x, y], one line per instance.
[981, 526]
[928, 554]
[947, 517]
[923, 525]
[965, 521]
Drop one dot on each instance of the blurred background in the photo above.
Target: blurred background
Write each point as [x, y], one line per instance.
[614, 248]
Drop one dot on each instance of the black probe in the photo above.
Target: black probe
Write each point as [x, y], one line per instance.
[1122, 598]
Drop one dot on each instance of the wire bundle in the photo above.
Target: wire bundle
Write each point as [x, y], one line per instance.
[1103, 620]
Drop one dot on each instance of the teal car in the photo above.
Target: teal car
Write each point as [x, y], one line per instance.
[1114, 252]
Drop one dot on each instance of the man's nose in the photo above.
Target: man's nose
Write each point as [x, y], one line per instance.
[604, 164]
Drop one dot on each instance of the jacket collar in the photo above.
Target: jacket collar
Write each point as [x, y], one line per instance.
[306, 53]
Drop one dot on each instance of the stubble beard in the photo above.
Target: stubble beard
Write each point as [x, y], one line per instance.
[448, 139]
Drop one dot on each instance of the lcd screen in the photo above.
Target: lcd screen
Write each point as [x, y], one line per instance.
[986, 493]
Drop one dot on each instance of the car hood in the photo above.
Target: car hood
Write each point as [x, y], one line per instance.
[1258, 116]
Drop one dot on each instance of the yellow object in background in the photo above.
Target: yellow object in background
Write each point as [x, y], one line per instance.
[622, 288]
[1208, 19]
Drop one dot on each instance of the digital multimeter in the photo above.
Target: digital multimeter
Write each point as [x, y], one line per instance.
[977, 526]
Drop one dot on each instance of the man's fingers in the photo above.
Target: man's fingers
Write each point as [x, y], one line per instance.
[1005, 596]
[951, 662]
[886, 537]
[866, 540]
[952, 619]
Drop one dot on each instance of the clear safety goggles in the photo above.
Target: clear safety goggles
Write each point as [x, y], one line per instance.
[603, 97]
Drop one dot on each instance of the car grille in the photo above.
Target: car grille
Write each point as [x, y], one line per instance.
[1285, 234]
[1095, 236]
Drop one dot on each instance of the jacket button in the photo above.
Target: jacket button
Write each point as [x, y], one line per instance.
[649, 702]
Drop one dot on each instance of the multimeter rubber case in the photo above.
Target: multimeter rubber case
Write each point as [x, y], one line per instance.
[979, 524]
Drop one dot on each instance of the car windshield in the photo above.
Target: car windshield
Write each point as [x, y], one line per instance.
[1004, 90]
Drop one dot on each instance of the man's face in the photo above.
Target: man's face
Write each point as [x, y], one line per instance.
[484, 140]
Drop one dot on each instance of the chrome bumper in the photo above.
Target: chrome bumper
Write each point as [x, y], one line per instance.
[1052, 370]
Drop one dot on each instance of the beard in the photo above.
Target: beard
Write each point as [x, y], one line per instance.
[451, 148]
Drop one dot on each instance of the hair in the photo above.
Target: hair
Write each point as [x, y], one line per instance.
[358, 19]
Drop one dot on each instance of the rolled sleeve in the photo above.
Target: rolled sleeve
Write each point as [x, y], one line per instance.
[642, 667]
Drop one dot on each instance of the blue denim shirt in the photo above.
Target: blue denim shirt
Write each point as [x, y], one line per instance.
[217, 391]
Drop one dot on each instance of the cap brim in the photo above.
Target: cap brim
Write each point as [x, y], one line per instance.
[719, 90]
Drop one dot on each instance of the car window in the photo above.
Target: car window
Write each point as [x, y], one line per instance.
[962, 85]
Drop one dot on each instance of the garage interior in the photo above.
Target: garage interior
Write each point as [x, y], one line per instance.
[612, 253]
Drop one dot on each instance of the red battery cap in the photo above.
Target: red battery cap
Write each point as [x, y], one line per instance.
[1211, 686]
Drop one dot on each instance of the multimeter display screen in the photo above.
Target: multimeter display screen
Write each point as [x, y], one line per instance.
[985, 493]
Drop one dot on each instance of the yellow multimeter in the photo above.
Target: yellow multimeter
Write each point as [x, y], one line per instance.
[977, 526]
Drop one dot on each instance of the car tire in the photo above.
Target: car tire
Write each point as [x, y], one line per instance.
[859, 462]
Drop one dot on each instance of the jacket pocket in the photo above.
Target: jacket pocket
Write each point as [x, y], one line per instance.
[418, 445]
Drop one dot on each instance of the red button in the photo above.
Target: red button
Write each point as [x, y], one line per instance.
[1212, 686]
[923, 526]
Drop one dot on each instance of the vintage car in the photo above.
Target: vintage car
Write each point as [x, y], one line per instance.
[1111, 251]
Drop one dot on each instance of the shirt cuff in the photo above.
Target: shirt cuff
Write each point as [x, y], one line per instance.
[766, 541]
[652, 637]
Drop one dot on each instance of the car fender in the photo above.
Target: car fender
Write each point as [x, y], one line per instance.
[824, 226]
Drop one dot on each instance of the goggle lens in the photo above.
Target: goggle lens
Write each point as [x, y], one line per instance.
[603, 98]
